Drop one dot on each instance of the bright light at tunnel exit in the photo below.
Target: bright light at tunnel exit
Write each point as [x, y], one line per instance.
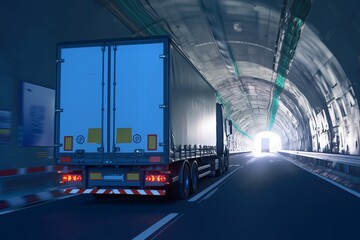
[260, 145]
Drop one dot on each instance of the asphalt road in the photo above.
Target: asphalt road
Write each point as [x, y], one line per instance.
[261, 197]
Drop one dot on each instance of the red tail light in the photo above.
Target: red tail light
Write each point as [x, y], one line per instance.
[156, 178]
[71, 177]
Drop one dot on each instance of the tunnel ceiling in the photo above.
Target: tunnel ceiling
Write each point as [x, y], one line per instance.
[266, 59]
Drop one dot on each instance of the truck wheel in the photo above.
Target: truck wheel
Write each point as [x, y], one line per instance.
[227, 160]
[194, 177]
[220, 171]
[226, 165]
[182, 189]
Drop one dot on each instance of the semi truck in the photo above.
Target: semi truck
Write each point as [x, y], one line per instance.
[265, 145]
[136, 117]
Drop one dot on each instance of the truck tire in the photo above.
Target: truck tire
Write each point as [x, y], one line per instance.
[220, 171]
[181, 189]
[226, 165]
[194, 177]
[227, 160]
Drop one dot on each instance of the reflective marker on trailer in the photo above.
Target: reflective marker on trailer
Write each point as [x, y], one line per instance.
[68, 143]
[65, 159]
[157, 192]
[95, 176]
[152, 142]
[132, 176]
[155, 159]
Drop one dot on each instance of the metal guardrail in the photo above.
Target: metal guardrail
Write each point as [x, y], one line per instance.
[28, 180]
[353, 160]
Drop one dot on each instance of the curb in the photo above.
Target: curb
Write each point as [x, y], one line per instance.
[26, 200]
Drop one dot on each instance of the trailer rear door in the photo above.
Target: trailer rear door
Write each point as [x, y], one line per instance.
[137, 122]
[111, 98]
[81, 98]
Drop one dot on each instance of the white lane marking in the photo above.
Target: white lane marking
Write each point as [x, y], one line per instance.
[209, 195]
[326, 179]
[148, 232]
[236, 165]
[7, 211]
[211, 187]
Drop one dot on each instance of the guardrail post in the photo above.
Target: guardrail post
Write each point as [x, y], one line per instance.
[347, 169]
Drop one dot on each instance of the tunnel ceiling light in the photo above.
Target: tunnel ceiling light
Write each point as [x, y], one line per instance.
[293, 20]
[135, 16]
[237, 27]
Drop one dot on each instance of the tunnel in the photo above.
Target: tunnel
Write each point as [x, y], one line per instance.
[290, 67]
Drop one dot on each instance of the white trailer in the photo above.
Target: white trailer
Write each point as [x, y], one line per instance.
[134, 116]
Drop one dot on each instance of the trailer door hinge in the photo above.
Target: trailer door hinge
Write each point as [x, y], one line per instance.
[58, 145]
[162, 56]
[59, 110]
[60, 60]
[162, 144]
[162, 106]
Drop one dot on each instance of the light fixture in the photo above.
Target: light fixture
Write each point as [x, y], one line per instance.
[237, 27]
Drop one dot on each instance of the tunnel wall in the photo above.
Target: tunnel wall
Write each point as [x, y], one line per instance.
[335, 129]
[334, 116]
[29, 34]
[240, 142]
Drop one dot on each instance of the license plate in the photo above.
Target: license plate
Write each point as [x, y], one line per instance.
[116, 177]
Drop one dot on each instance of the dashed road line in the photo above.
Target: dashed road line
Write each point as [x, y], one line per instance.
[209, 195]
[151, 230]
[211, 187]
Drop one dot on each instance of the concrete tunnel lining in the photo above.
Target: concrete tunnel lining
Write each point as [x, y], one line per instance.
[313, 58]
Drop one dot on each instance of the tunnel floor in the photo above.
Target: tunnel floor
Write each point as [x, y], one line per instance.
[270, 198]
[261, 197]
